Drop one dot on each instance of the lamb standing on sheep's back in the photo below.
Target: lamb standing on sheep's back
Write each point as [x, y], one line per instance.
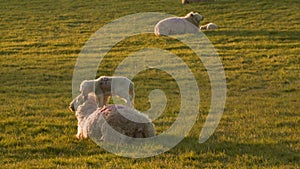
[179, 25]
[97, 123]
[107, 86]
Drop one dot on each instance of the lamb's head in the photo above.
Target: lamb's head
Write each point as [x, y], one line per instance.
[194, 18]
[203, 27]
[86, 87]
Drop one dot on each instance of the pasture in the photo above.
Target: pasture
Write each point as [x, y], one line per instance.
[258, 45]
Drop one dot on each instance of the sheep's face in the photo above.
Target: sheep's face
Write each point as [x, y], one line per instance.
[194, 18]
[197, 17]
[76, 102]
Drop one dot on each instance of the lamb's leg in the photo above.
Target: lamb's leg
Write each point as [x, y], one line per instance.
[128, 102]
[129, 98]
[132, 101]
[100, 100]
[106, 99]
[126, 98]
[131, 94]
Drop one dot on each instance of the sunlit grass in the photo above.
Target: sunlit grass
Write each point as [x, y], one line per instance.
[258, 44]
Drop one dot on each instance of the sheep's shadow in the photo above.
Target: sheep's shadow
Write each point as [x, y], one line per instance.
[278, 34]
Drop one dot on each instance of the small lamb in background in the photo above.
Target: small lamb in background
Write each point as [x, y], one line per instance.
[209, 26]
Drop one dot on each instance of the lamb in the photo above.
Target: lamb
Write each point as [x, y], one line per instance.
[189, 1]
[209, 26]
[107, 86]
[96, 123]
[179, 25]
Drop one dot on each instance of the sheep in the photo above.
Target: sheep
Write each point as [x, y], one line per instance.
[189, 1]
[96, 123]
[179, 25]
[209, 26]
[82, 108]
[107, 86]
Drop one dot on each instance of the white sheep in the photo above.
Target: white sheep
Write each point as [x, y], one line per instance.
[107, 86]
[209, 26]
[179, 25]
[82, 108]
[190, 1]
[96, 123]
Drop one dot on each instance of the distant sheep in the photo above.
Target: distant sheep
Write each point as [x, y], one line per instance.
[190, 1]
[107, 86]
[209, 26]
[179, 25]
[96, 123]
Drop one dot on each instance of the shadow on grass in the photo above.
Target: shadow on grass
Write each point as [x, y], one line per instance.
[263, 153]
[188, 150]
[277, 34]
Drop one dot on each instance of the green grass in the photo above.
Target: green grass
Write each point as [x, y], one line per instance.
[258, 44]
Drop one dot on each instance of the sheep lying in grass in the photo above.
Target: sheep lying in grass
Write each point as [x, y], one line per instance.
[190, 1]
[179, 25]
[209, 26]
[96, 123]
[107, 86]
[83, 108]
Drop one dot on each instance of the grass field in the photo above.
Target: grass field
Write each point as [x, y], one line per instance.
[257, 42]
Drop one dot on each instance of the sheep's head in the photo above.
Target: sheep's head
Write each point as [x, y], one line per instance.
[194, 18]
[76, 102]
[197, 17]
